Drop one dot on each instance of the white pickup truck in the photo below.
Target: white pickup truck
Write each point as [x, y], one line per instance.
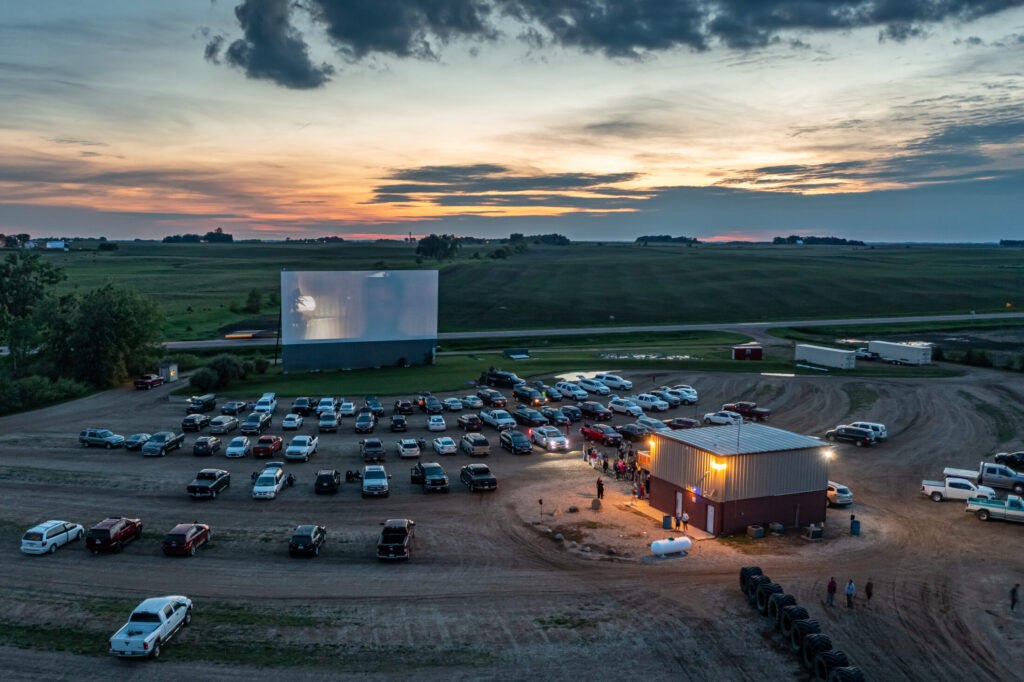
[151, 625]
[955, 488]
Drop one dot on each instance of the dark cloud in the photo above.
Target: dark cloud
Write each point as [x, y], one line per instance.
[272, 48]
[211, 52]
[78, 141]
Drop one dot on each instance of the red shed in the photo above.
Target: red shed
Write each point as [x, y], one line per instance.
[748, 351]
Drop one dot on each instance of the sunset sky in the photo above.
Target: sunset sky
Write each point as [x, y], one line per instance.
[891, 120]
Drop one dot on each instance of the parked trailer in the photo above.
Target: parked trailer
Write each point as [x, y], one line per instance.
[827, 357]
[902, 353]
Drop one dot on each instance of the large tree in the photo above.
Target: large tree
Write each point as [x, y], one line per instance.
[24, 278]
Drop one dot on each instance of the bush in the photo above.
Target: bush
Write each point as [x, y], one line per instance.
[228, 368]
[262, 365]
[108, 246]
[34, 391]
[204, 380]
[248, 368]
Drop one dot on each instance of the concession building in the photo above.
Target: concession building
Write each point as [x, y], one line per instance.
[729, 477]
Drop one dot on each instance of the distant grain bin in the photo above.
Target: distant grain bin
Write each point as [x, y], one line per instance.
[902, 353]
[826, 357]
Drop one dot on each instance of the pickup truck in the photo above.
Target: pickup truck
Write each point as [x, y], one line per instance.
[372, 450]
[499, 419]
[601, 433]
[267, 446]
[209, 482]
[395, 540]
[267, 404]
[1001, 476]
[1010, 509]
[302, 447]
[151, 625]
[161, 442]
[748, 410]
[111, 534]
[148, 381]
[955, 489]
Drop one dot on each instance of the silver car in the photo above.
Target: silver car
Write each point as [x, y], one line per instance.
[223, 424]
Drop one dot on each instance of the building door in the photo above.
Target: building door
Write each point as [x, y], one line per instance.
[679, 503]
[711, 519]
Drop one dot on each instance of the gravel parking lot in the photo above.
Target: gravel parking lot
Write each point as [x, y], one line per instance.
[489, 595]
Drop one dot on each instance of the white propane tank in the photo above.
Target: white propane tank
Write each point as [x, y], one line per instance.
[671, 545]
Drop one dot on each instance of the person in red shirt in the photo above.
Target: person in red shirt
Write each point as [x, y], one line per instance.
[830, 597]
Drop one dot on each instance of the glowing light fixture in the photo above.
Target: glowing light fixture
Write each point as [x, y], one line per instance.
[718, 466]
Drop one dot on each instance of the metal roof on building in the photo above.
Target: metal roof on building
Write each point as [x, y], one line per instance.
[742, 439]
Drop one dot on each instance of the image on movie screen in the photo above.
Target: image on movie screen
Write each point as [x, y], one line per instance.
[358, 306]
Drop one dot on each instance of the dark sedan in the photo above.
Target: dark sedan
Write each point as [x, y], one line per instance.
[470, 422]
[307, 541]
[365, 423]
[633, 432]
[194, 422]
[136, 441]
[682, 423]
[595, 410]
[556, 416]
[515, 442]
[233, 407]
[492, 398]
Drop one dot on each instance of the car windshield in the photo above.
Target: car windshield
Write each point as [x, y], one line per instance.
[206, 475]
[265, 481]
[374, 474]
[433, 471]
[300, 440]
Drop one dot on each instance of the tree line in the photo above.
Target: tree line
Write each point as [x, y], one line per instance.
[64, 345]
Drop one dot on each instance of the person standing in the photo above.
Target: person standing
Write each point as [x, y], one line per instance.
[830, 594]
[640, 491]
[686, 523]
[869, 589]
[604, 465]
[600, 488]
[1013, 597]
[679, 520]
[850, 591]
[633, 501]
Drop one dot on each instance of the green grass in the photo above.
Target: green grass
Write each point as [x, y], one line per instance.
[861, 396]
[566, 622]
[1006, 424]
[676, 340]
[579, 285]
[828, 335]
[452, 372]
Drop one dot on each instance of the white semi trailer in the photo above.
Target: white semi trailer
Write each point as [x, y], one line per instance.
[902, 353]
[826, 357]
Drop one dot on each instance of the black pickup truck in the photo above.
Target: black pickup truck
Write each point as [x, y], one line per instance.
[209, 482]
[748, 410]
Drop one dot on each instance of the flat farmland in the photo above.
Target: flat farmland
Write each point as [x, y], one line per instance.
[584, 284]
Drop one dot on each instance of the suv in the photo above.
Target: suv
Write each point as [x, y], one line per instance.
[515, 442]
[372, 450]
[851, 434]
[399, 422]
[496, 377]
[402, 407]
[838, 495]
[255, 424]
[878, 429]
[475, 445]
[194, 422]
[302, 406]
[233, 407]
[223, 424]
[307, 541]
[614, 381]
[100, 437]
[593, 386]
[375, 481]
[206, 445]
[525, 394]
[550, 438]
[594, 410]
[492, 398]
[571, 391]
[470, 422]
[185, 538]
[112, 534]
[327, 481]
[328, 422]
[431, 476]
[201, 403]
[529, 416]
[327, 404]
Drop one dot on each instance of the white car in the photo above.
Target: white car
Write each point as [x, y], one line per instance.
[347, 410]
[593, 386]
[375, 481]
[472, 402]
[650, 402]
[327, 404]
[435, 422]
[302, 447]
[876, 428]
[723, 417]
[499, 419]
[571, 391]
[267, 404]
[445, 446]
[292, 422]
[240, 446]
[151, 625]
[452, 404]
[652, 424]
[408, 447]
[268, 484]
[838, 495]
[614, 381]
[49, 535]
[625, 406]
[688, 394]
[549, 438]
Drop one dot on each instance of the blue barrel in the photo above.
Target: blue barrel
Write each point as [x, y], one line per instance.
[854, 527]
[666, 522]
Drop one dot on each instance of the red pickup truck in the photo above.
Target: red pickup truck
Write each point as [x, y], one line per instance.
[749, 410]
[148, 381]
[112, 534]
[267, 446]
[601, 433]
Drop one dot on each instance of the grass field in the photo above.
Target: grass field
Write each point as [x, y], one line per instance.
[579, 285]
[827, 335]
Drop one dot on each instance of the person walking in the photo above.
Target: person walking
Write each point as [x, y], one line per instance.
[1013, 597]
[850, 591]
[869, 589]
[600, 488]
[686, 523]
[632, 502]
[830, 593]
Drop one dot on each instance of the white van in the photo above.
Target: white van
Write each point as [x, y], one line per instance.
[877, 429]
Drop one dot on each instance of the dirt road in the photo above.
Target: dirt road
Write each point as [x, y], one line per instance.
[489, 595]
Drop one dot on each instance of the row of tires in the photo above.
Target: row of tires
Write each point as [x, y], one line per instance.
[802, 633]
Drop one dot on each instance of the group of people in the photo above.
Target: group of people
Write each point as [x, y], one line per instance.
[850, 590]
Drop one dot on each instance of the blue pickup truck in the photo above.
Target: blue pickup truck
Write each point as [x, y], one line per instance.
[1010, 509]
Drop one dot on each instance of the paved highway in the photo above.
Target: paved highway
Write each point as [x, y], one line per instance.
[735, 326]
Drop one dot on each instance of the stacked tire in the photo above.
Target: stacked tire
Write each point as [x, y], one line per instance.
[802, 633]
